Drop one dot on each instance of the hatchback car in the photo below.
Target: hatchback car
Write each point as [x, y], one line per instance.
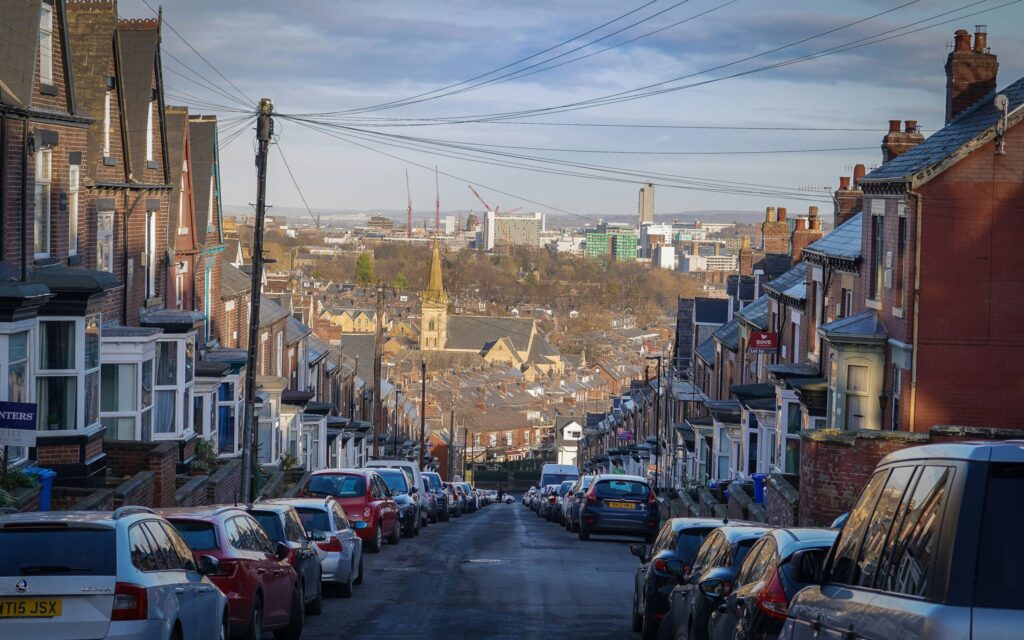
[90, 574]
[282, 524]
[263, 589]
[429, 502]
[408, 509]
[679, 540]
[472, 499]
[341, 550]
[455, 506]
[619, 504]
[436, 486]
[571, 517]
[365, 497]
[930, 550]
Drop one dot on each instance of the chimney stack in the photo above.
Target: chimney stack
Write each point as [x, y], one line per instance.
[844, 183]
[970, 72]
[807, 231]
[800, 224]
[781, 215]
[849, 201]
[775, 231]
[746, 258]
[813, 221]
[897, 142]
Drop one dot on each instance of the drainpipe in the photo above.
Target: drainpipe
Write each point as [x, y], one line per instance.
[24, 199]
[919, 199]
[3, 183]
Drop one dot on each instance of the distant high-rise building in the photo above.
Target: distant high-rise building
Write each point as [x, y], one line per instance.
[645, 208]
[511, 229]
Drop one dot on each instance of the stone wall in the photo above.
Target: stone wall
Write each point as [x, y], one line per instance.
[192, 492]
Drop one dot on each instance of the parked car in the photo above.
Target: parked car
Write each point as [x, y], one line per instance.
[455, 505]
[690, 607]
[365, 497]
[263, 589]
[126, 574]
[930, 550]
[679, 540]
[573, 500]
[754, 601]
[401, 493]
[460, 491]
[619, 504]
[552, 473]
[543, 500]
[557, 509]
[440, 495]
[429, 501]
[528, 496]
[282, 524]
[413, 479]
[341, 550]
[473, 501]
[508, 498]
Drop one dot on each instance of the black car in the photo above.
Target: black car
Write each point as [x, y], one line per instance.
[407, 511]
[282, 524]
[436, 487]
[689, 607]
[756, 604]
[679, 539]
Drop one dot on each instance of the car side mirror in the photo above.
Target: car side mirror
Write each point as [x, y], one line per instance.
[808, 565]
[282, 551]
[316, 536]
[208, 565]
[639, 550]
[714, 588]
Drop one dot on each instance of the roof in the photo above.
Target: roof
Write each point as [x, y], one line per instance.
[706, 350]
[728, 334]
[233, 281]
[270, 312]
[176, 124]
[711, 310]
[843, 243]
[474, 333]
[203, 134]
[774, 264]
[360, 346]
[862, 326]
[316, 348]
[139, 48]
[296, 330]
[130, 332]
[942, 144]
[91, 34]
[785, 282]
[1002, 451]
[541, 348]
[17, 73]
[756, 313]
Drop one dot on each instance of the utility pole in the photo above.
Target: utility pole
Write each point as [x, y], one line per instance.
[451, 436]
[378, 409]
[423, 409]
[264, 131]
[397, 414]
[465, 450]
[657, 424]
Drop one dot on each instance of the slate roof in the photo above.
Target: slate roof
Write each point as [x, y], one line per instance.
[843, 243]
[295, 330]
[233, 282]
[740, 287]
[862, 325]
[316, 348]
[360, 347]
[541, 348]
[944, 142]
[706, 350]
[728, 334]
[774, 264]
[796, 275]
[203, 134]
[271, 312]
[177, 123]
[17, 73]
[91, 34]
[711, 310]
[138, 41]
[476, 332]
[756, 313]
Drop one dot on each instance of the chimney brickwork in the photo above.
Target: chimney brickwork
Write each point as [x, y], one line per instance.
[849, 199]
[775, 231]
[970, 72]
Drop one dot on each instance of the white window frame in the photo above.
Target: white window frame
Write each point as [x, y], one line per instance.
[235, 402]
[107, 97]
[81, 326]
[182, 387]
[46, 43]
[141, 412]
[43, 202]
[105, 241]
[74, 175]
[7, 330]
[149, 132]
[150, 254]
[182, 218]
[279, 355]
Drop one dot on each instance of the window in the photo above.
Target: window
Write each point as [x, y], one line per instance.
[279, 355]
[848, 544]
[877, 534]
[44, 163]
[794, 425]
[167, 362]
[179, 290]
[227, 418]
[1000, 555]
[17, 376]
[901, 244]
[150, 262]
[722, 456]
[106, 124]
[46, 43]
[856, 395]
[163, 549]
[105, 241]
[57, 386]
[847, 302]
[73, 174]
[119, 400]
[173, 389]
[877, 259]
[149, 132]
[182, 217]
[181, 548]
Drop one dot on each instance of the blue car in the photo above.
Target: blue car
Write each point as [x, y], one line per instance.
[619, 504]
[436, 486]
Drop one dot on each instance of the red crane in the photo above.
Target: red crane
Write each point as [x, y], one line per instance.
[478, 197]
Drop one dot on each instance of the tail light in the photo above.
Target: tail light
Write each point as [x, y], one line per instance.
[592, 496]
[659, 565]
[332, 544]
[367, 512]
[652, 499]
[226, 568]
[772, 599]
[130, 602]
[551, 499]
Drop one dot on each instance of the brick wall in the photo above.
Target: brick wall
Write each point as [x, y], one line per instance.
[136, 491]
[129, 458]
[225, 484]
[193, 492]
[782, 500]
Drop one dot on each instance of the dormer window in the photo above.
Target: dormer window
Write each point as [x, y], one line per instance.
[46, 43]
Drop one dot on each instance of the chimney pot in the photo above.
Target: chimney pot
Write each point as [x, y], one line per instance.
[894, 126]
[769, 214]
[962, 40]
[801, 224]
[812, 212]
[844, 183]
[782, 214]
[858, 173]
[980, 38]
[911, 126]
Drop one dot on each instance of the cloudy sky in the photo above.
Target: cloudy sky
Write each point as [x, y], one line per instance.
[328, 56]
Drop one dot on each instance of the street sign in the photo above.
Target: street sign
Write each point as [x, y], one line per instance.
[17, 424]
[763, 342]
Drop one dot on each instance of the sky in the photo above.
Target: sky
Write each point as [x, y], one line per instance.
[327, 56]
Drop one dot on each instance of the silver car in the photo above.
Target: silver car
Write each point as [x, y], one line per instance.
[90, 574]
[341, 552]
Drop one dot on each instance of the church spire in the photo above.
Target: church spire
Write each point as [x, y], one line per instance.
[435, 295]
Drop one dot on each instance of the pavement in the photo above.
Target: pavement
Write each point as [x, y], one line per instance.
[499, 573]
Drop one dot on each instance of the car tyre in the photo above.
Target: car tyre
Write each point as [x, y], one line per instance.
[316, 605]
[584, 533]
[345, 588]
[255, 630]
[374, 546]
[359, 578]
[296, 619]
[396, 535]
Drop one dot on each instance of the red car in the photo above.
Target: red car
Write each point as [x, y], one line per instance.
[254, 573]
[366, 500]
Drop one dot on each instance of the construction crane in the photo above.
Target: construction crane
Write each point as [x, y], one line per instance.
[408, 195]
[484, 202]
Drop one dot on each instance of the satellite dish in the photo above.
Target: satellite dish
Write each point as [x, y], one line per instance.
[1002, 103]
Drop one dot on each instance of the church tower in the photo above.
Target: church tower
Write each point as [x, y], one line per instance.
[434, 308]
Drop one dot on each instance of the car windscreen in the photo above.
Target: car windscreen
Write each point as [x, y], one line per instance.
[564, 489]
[395, 480]
[556, 478]
[435, 481]
[625, 489]
[410, 478]
[199, 536]
[1000, 554]
[314, 519]
[60, 551]
[338, 486]
[688, 543]
[271, 523]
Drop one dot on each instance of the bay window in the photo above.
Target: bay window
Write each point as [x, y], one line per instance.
[15, 366]
[68, 379]
[173, 388]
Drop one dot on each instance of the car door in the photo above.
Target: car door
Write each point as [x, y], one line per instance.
[207, 603]
[388, 506]
[732, 614]
[345, 533]
[250, 536]
[281, 572]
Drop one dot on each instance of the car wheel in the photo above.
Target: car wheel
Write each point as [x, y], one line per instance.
[359, 578]
[345, 588]
[396, 535]
[416, 528]
[255, 630]
[584, 533]
[296, 619]
[316, 605]
[375, 545]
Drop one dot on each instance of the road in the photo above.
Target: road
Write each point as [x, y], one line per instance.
[499, 573]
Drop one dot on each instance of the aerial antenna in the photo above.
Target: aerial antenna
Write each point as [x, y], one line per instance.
[408, 195]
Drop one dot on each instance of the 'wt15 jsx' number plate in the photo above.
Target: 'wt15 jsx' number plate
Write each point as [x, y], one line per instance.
[29, 608]
[621, 505]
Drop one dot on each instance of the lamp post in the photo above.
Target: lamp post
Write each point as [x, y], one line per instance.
[657, 425]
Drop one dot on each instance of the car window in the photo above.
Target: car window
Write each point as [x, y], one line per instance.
[688, 543]
[339, 486]
[340, 519]
[708, 550]
[880, 525]
[270, 521]
[58, 551]
[906, 561]
[764, 562]
[853, 531]
[141, 549]
[737, 553]
[163, 549]
[293, 528]
[743, 576]
[1000, 555]
[200, 536]
[185, 556]
[257, 538]
[664, 539]
[315, 519]
[234, 534]
[625, 489]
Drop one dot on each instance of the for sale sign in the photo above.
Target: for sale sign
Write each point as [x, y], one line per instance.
[763, 341]
[17, 424]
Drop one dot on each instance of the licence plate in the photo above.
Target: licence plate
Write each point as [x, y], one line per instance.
[620, 505]
[29, 607]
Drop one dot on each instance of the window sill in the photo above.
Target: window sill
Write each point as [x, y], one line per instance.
[897, 312]
[109, 162]
[153, 302]
[873, 304]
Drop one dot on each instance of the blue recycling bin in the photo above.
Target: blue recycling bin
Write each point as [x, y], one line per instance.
[46, 477]
[759, 487]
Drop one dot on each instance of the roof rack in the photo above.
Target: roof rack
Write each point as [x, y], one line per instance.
[129, 509]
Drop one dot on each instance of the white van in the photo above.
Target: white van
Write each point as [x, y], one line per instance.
[412, 475]
[557, 474]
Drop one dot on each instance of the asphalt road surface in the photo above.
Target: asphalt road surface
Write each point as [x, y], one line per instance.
[499, 573]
